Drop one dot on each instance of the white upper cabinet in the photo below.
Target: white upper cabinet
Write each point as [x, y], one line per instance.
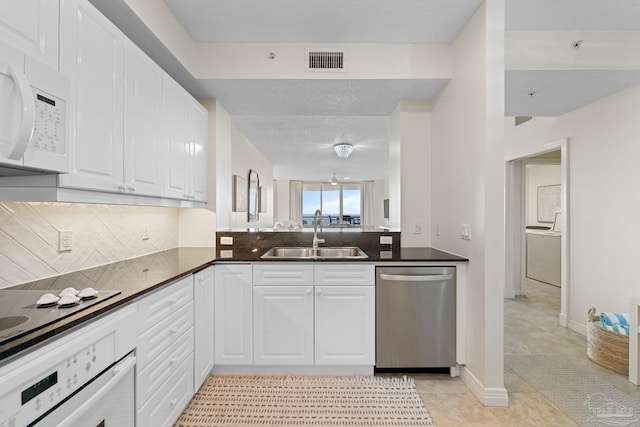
[143, 140]
[199, 118]
[186, 122]
[31, 26]
[176, 119]
[133, 129]
[92, 55]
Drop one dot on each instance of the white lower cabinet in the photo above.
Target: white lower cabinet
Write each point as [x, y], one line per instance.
[295, 314]
[167, 403]
[203, 296]
[345, 325]
[233, 313]
[283, 325]
[165, 354]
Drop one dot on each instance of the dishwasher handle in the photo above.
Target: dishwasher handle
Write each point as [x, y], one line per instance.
[416, 278]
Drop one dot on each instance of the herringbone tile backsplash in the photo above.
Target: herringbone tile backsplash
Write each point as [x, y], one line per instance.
[100, 234]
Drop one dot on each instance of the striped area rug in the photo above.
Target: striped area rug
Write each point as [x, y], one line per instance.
[306, 401]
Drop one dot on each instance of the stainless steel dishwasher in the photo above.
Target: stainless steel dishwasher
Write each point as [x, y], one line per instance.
[415, 317]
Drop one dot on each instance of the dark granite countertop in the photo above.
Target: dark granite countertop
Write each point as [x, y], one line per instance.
[137, 276]
[133, 278]
[377, 255]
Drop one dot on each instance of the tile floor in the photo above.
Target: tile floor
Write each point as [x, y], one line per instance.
[531, 327]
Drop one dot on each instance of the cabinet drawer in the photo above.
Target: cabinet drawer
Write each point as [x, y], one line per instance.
[345, 274]
[282, 274]
[161, 368]
[159, 305]
[159, 338]
[166, 405]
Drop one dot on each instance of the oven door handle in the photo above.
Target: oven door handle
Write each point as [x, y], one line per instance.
[416, 278]
[120, 371]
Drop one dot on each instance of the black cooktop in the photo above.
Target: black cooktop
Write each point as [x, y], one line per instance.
[20, 314]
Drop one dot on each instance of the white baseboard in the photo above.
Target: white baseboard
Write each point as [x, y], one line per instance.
[580, 328]
[562, 319]
[293, 370]
[488, 396]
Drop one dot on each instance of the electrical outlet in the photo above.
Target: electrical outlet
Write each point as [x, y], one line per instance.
[65, 240]
[465, 231]
[226, 240]
[386, 240]
[417, 228]
[145, 231]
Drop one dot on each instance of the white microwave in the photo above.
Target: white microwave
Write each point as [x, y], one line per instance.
[33, 116]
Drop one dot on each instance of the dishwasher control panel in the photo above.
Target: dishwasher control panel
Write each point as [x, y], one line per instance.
[44, 382]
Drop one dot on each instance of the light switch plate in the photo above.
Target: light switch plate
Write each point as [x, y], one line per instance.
[465, 231]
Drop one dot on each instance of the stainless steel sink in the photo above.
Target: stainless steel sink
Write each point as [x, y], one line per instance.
[310, 253]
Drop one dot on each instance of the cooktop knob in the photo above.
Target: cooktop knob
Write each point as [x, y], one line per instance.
[47, 299]
[68, 299]
[69, 291]
[88, 293]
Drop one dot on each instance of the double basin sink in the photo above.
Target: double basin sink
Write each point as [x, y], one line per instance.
[311, 253]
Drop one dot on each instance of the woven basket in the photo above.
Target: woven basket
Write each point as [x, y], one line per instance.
[606, 348]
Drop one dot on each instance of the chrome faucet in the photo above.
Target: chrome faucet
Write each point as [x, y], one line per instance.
[317, 216]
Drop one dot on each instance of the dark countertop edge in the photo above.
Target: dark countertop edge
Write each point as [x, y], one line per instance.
[38, 336]
[33, 339]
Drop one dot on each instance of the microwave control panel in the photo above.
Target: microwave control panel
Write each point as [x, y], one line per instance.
[49, 127]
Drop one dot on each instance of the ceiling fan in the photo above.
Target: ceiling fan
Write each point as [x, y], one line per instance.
[335, 181]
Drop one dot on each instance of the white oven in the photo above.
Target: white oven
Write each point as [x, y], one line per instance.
[85, 378]
[33, 116]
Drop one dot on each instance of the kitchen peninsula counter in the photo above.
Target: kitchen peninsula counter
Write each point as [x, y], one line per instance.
[137, 276]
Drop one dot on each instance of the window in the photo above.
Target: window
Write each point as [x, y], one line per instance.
[340, 204]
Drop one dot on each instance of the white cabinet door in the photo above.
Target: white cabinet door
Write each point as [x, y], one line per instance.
[345, 325]
[31, 26]
[92, 55]
[143, 132]
[283, 325]
[176, 119]
[233, 336]
[204, 323]
[199, 118]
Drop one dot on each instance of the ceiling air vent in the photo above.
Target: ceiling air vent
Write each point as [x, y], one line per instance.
[325, 60]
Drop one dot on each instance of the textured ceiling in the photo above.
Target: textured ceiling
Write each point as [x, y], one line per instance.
[263, 108]
[319, 97]
[301, 147]
[572, 15]
[339, 21]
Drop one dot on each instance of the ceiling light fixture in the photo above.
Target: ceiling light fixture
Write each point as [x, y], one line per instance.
[334, 180]
[343, 150]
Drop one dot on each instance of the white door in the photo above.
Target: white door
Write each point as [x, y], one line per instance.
[345, 325]
[92, 55]
[199, 118]
[143, 131]
[283, 325]
[233, 337]
[204, 323]
[31, 26]
[176, 119]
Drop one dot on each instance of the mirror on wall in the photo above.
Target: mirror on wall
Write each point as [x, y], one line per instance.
[254, 195]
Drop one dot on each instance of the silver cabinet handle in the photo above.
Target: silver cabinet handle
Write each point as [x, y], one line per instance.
[417, 278]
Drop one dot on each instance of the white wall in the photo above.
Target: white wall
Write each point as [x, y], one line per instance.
[468, 187]
[394, 182]
[603, 202]
[415, 169]
[538, 176]
[282, 200]
[224, 169]
[245, 156]
[101, 234]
